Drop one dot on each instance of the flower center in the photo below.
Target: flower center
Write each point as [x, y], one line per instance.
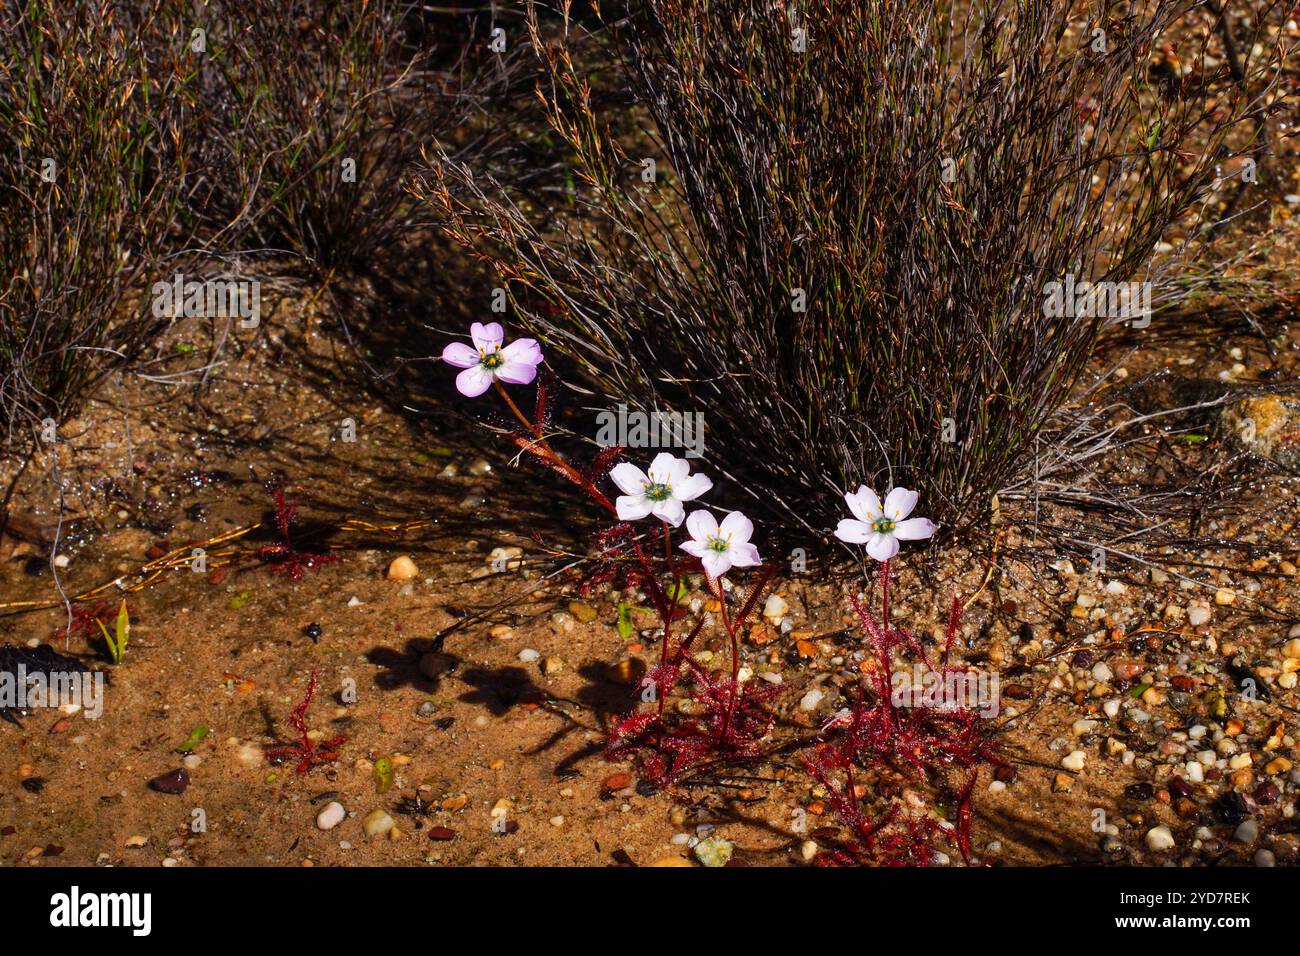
[720, 545]
[658, 491]
[883, 525]
[492, 361]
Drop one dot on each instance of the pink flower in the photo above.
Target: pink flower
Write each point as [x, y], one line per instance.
[721, 547]
[881, 527]
[487, 360]
[659, 491]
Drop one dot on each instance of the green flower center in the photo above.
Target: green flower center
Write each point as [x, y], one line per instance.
[720, 545]
[883, 525]
[492, 361]
[658, 491]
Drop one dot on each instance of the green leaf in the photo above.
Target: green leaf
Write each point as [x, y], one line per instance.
[383, 774]
[240, 599]
[625, 626]
[193, 740]
[678, 590]
[121, 633]
[1138, 690]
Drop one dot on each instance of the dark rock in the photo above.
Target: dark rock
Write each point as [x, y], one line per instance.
[174, 782]
[1139, 791]
[442, 833]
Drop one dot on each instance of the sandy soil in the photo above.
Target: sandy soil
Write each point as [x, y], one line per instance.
[441, 690]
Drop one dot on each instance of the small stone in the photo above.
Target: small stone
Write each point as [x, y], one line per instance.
[530, 656]
[501, 631]
[377, 823]
[671, 861]
[442, 834]
[714, 851]
[1062, 783]
[807, 850]
[331, 816]
[174, 782]
[1160, 839]
[583, 612]
[1224, 596]
[557, 821]
[1277, 765]
[137, 840]
[1265, 858]
[1074, 761]
[402, 568]
[619, 781]
[552, 665]
[810, 700]
[1198, 614]
[1247, 831]
[1102, 673]
[1291, 648]
[250, 755]
[775, 608]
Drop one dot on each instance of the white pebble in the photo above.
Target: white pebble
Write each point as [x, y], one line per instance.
[1074, 761]
[331, 816]
[1160, 838]
[812, 699]
[528, 655]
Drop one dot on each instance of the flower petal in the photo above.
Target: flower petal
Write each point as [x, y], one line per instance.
[864, 503]
[517, 373]
[670, 510]
[702, 525]
[736, 528]
[630, 479]
[526, 351]
[692, 487]
[745, 556]
[914, 529]
[474, 381]
[853, 532]
[715, 564]
[487, 338]
[460, 355]
[665, 469]
[882, 547]
[632, 507]
[696, 548]
[899, 503]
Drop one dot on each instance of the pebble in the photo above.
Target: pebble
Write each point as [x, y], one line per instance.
[136, 840]
[1224, 596]
[332, 815]
[714, 851]
[1102, 672]
[1291, 648]
[1198, 614]
[810, 700]
[377, 823]
[174, 782]
[402, 569]
[1074, 762]
[1247, 832]
[1160, 838]
[557, 821]
[1265, 858]
[528, 655]
[775, 608]
[250, 755]
[671, 861]
[807, 850]
[584, 613]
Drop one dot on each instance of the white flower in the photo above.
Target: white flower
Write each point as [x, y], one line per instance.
[659, 492]
[516, 363]
[881, 528]
[721, 547]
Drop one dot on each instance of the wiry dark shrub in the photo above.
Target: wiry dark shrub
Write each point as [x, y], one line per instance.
[320, 110]
[844, 250]
[92, 185]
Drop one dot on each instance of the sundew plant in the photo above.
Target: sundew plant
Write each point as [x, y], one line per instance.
[727, 718]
